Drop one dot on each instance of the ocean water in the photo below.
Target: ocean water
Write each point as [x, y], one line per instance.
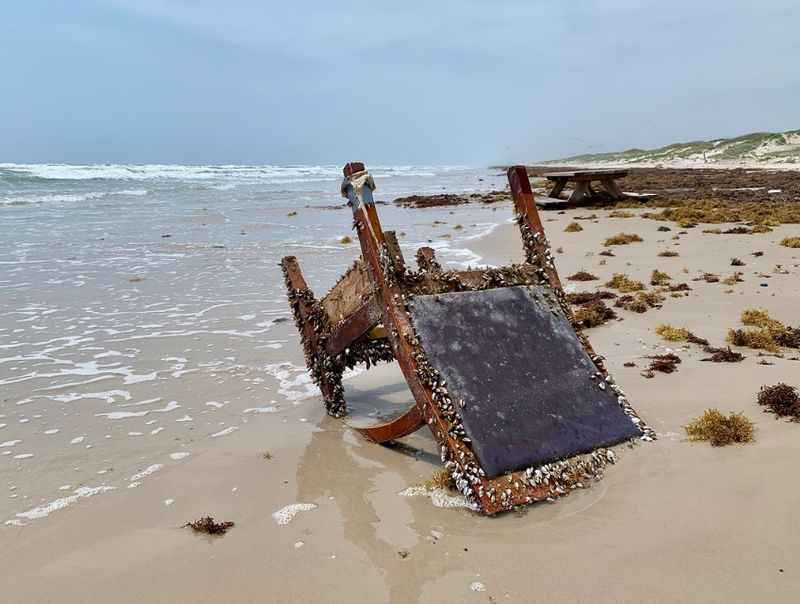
[143, 314]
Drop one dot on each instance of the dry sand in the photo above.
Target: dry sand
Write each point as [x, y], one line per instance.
[673, 521]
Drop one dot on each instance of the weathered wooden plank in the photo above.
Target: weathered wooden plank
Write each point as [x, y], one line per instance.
[353, 327]
[346, 297]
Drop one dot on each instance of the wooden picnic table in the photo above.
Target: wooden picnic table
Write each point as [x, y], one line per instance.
[583, 183]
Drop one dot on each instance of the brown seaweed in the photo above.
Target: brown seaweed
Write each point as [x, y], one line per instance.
[582, 276]
[209, 526]
[780, 399]
[722, 355]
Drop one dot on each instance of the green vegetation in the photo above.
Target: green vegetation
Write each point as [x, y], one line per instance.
[756, 146]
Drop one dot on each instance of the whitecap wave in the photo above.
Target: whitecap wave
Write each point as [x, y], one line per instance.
[143, 172]
[67, 197]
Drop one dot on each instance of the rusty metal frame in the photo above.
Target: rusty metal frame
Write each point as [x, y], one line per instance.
[330, 348]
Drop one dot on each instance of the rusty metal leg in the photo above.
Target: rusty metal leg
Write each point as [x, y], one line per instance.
[311, 321]
[557, 188]
[408, 423]
[376, 224]
[537, 250]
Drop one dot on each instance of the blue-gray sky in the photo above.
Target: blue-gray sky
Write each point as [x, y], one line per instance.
[246, 81]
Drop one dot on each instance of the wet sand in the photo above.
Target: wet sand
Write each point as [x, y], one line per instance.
[672, 522]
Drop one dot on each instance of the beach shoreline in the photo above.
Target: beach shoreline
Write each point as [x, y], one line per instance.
[665, 523]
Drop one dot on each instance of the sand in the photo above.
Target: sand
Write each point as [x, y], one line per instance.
[673, 521]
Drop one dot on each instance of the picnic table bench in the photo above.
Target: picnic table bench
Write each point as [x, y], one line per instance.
[583, 184]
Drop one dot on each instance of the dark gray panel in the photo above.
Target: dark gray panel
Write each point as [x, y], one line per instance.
[514, 359]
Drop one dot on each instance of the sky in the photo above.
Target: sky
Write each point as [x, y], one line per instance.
[445, 82]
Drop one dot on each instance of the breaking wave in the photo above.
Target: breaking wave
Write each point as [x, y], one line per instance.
[23, 200]
[11, 172]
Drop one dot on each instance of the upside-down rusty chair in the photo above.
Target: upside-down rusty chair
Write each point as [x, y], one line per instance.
[520, 405]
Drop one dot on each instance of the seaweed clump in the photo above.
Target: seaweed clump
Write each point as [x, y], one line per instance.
[759, 317]
[760, 339]
[770, 334]
[659, 278]
[735, 278]
[673, 334]
[624, 284]
[668, 254]
[665, 363]
[585, 297]
[582, 276]
[209, 526]
[723, 355]
[780, 399]
[738, 230]
[641, 302]
[440, 479]
[721, 430]
[759, 213]
[623, 239]
[793, 242]
[620, 214]
[593, 314]
[573, 227]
